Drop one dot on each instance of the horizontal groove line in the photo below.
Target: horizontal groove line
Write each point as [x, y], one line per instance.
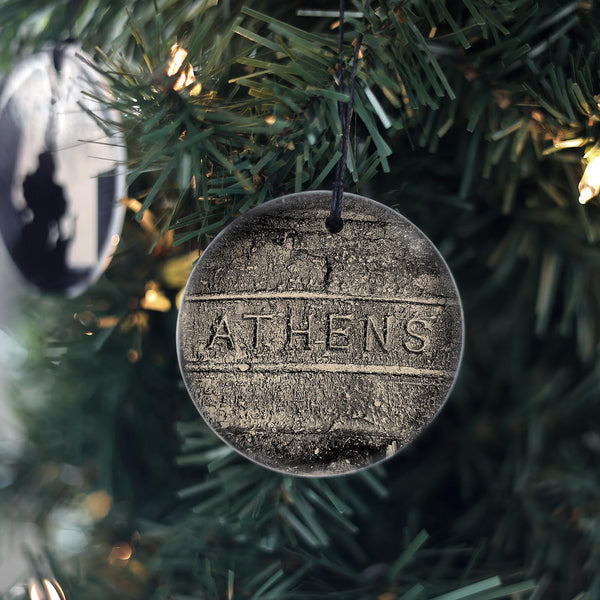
[315, 296]
[316, 368]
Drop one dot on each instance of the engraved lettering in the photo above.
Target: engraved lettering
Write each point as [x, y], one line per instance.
[257, 327]
[350, 331]
[382, 335]
[419, 330]
[305, 333]
[222, 332]
[337, 333]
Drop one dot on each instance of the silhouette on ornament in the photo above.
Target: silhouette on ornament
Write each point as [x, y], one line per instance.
[42, 248]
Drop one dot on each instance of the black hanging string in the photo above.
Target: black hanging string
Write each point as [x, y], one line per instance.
[334, 221]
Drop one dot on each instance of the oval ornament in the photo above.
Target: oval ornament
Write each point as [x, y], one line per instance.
[62, 173]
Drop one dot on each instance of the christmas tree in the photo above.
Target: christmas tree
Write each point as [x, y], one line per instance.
[479, 122]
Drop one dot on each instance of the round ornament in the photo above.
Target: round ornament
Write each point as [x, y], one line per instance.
[318, 353]
[61, 170]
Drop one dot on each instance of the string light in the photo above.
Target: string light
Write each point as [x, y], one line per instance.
[133, 355]
[35, 593]
[154, 299]
[589, 186]
[121, 552]
[98, 504]
[186, 76]
[51, 591]
[149, 224]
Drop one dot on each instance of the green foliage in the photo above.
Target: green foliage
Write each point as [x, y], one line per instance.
[63, 386]
[265, 122]
[26, 26]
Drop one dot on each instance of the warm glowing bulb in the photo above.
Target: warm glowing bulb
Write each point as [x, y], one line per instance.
[178, 55]
[186, 77]
[586, 193]
[120, 552]
[34, 592]
[589, 186]
[98, 504]
[155, 300]
[53, 590]
[196, 90]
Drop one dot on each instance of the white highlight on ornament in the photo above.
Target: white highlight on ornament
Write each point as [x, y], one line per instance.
[31, 81]
[589, 186]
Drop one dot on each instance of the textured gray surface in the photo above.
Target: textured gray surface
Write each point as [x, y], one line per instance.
[315, 353]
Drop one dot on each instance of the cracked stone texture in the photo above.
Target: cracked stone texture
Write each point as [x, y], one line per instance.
[384, 344]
